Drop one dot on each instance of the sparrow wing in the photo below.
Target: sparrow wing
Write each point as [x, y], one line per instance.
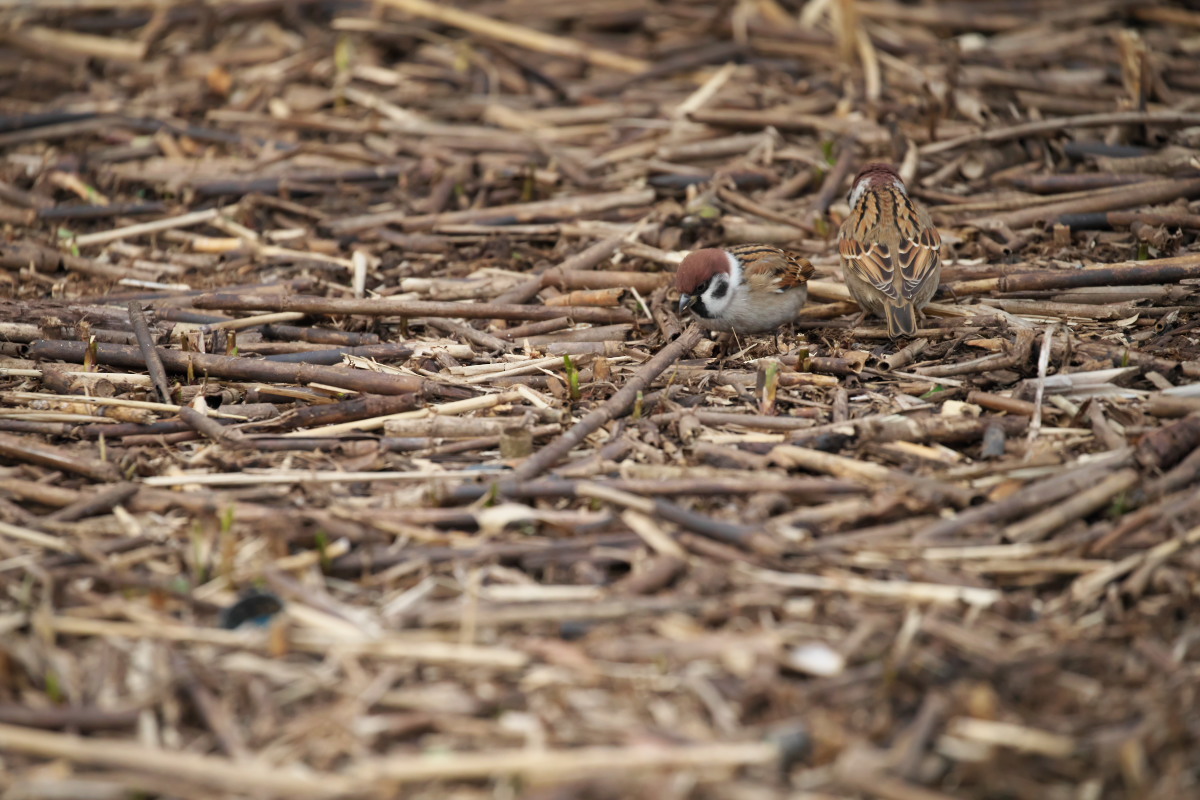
[871, 263]
[918, 251]
[796, 271]
[772, 269]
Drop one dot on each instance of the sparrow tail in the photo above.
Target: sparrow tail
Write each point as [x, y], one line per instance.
[901, 321]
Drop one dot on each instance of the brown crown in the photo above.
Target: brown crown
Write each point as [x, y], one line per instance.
[698, 266]
[879, 173]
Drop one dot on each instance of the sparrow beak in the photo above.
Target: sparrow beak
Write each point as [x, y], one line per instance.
[686, 301]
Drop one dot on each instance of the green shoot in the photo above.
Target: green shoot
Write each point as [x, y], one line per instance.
[827, 152]
[322, 539]
[572, 377]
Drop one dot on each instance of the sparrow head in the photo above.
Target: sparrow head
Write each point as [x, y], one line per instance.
[875, 175]
[704, 280]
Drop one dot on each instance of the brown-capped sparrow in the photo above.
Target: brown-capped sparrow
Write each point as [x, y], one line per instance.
[746, 288]
[889, 250]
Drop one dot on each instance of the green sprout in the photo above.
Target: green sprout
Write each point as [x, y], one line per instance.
[343, 53]
[572, 377]
[1120, 506]
[528, 187]
[197, 554]
[827, 152]
[322, 540]
[769, 386]
[54, 687]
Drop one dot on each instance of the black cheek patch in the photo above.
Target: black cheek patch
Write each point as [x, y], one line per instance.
[721, 289]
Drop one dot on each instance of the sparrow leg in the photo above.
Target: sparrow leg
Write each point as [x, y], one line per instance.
[859, 319]
[785, 337]
[730, 344]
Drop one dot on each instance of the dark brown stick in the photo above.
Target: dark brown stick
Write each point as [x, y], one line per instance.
[610, 409]
[481, 338]
[747, 537]
[644, 282]
[1031, 497]
[407, 308]
[298, 181]
[657, 573]
[209, 428]
[363, 407]
[236, 368]
[99, 503]
[743, 118]
[145, 340]
[22, 255]
[384, 352]
[65, 212]
[319, 335]
[836, 176]
[29, 451]
[1112, 199]
[1018, 354]
[80, 719]
[1182, 474]
[1057, 124]
[563, 208]
[803, 488]
[519, 332]
[1163, 448]
[1162, 270]
[995, 402]
[1072, 182]
[1106, 220]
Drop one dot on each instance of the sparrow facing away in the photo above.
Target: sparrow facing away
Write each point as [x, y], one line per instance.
[747, 288]
[889, 250]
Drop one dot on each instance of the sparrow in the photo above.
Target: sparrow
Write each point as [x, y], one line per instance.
[747, 288]
[889, 250]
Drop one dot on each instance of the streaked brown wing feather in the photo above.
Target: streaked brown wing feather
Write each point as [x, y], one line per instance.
[796, 271]
[918, 258]
[771, 268]
[872, 264]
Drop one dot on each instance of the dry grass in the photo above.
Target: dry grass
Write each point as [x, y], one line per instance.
[364, 308]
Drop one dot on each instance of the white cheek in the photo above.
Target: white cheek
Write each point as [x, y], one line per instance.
[860, 189]
[899, 184]
[714, 303]
[735, 266]
[731, 281]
